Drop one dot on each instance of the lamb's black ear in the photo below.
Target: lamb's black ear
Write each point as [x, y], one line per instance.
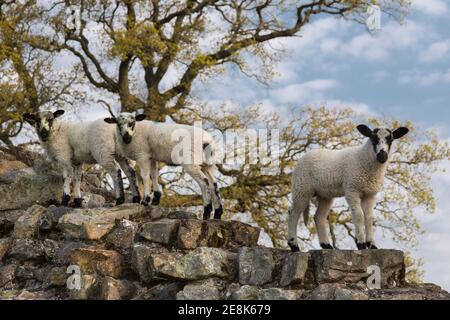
[58, 113]
[364, 130]
[29, 117]
[110, 120]
[400, 132]
[140, 117]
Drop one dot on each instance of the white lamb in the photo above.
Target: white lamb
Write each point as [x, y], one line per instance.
[356, 173]
[148, 142]
[73, 144]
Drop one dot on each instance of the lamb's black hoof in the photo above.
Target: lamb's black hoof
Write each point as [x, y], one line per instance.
[371, 246]
[65, 200]
[294, 247]
[218, 213]
[145, 201]
[326, 246]
[137, 199]
[361, 246]
[78, 202]
[120, 201]
[156, 198]
[207, 212]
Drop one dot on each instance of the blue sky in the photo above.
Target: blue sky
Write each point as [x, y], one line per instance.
[402, 72]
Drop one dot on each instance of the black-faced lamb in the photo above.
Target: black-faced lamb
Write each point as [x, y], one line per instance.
[149, 142]
[356, 173]
[71, 145]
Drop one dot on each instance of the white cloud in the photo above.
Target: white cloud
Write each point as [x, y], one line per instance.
[391, 39]
[305, 92]
[435, 51]
[424, 79]
[431, 7]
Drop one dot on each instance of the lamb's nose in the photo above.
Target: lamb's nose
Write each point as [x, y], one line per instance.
[382, 156]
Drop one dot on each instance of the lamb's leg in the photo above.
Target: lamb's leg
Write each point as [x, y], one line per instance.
[131, 175]
[114, 171]
[354, 201]
[320, 219]
[368, 203]
[216, 200]
[196, 173]
[145, 175]
[157, 190]
[67, 176]
[300, 202]
[77, 174]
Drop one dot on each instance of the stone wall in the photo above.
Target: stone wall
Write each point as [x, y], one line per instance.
[136, 252]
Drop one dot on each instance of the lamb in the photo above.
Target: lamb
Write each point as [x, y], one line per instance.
[149, 142]
[356, 173]
[72, 145]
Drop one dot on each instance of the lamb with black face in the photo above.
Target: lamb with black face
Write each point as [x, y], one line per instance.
[43, 122]
[381, 139]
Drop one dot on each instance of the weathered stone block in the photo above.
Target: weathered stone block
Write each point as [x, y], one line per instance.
[349, 266]
[256, 266]
[216, 233]
[93, 260]
[93, 224]
[294, 269]
[27, 226]
[163, 231]
[198, 264]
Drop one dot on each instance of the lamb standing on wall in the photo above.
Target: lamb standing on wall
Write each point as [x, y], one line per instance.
[356, 173]
[71, 145]
[148, 142]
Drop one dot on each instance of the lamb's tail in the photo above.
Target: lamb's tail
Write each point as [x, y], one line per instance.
[306, 215]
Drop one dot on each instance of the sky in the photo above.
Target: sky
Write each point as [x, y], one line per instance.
[403, 71]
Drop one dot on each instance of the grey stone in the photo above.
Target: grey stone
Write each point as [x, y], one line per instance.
[140, 259]
[27, 226]
[163, 231]
[216, 233]
[279, 294]
[349, 266]
[245, 292]
[29, 190]
[208, 289]
[256, 266]
[199, 264]
[294, 269]
[122, 236]
[93, 224]
[27, 249]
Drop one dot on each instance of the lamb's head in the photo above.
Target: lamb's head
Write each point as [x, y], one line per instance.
[126, 124]
[42, 122]
[381, 139]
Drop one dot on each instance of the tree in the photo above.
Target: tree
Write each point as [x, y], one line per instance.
[130, 47]
[27, 79]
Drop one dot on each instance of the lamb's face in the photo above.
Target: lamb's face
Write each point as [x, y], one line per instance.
[126, 125]
[382, 139]
[42, 122]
